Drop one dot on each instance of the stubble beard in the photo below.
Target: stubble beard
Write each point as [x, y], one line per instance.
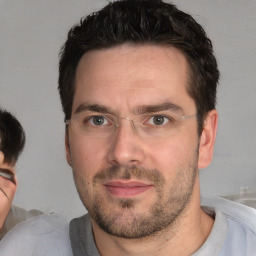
[123, 220]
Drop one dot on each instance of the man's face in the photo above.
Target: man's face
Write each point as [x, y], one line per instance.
[134, 181]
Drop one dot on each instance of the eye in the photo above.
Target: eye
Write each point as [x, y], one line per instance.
[158, 120]
[97, 120]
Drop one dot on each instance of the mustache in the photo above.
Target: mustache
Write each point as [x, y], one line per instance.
[127, 173]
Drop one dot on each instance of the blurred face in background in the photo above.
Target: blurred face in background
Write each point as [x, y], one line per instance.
[7, 188]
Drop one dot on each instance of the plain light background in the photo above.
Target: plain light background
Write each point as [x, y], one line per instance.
[32, 33]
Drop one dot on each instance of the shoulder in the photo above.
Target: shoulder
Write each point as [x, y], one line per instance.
[15, 216]
[81, 236]
[46, 234]
[81, 228]
[237, 212]
[241, 236]
[22, 214]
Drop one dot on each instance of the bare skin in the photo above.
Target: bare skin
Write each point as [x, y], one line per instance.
[7, 190]
[126, 81]
[183, 238]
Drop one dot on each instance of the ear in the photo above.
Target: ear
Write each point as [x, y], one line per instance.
[67, 147]
[207, 139]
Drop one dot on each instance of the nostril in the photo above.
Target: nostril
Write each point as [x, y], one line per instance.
[133, 162]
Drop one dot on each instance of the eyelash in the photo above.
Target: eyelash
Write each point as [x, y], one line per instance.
[160, 116]
[89, 119]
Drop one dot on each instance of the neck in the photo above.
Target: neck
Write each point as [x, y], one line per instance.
[182, 238]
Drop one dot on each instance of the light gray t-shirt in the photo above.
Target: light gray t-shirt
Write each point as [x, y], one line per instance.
[44, 235]
[233, 234]
[229, 237]
[15, 216]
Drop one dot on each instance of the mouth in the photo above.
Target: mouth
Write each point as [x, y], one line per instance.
[126, 189]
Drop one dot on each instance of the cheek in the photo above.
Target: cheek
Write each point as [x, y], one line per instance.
[85, 159]
[86, 154]
[172, 154]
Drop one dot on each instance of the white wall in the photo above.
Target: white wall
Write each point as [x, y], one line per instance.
[31, 35]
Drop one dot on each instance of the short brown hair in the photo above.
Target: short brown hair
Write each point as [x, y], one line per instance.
[143, 22]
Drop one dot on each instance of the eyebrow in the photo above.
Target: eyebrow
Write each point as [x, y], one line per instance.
[138, 110]
[94, 108]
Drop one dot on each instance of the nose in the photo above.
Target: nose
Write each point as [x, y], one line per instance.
[126, 147]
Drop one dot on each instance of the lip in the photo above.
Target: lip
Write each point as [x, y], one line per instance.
[126, 189]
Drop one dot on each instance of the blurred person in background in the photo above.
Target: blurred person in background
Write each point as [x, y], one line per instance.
[12, 141]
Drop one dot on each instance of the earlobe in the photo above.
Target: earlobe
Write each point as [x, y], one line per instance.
[207, 139]
[67, 147]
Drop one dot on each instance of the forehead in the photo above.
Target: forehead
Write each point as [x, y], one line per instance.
[128, 74]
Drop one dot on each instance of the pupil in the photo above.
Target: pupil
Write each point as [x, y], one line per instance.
[158, 120]
[99, 120]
